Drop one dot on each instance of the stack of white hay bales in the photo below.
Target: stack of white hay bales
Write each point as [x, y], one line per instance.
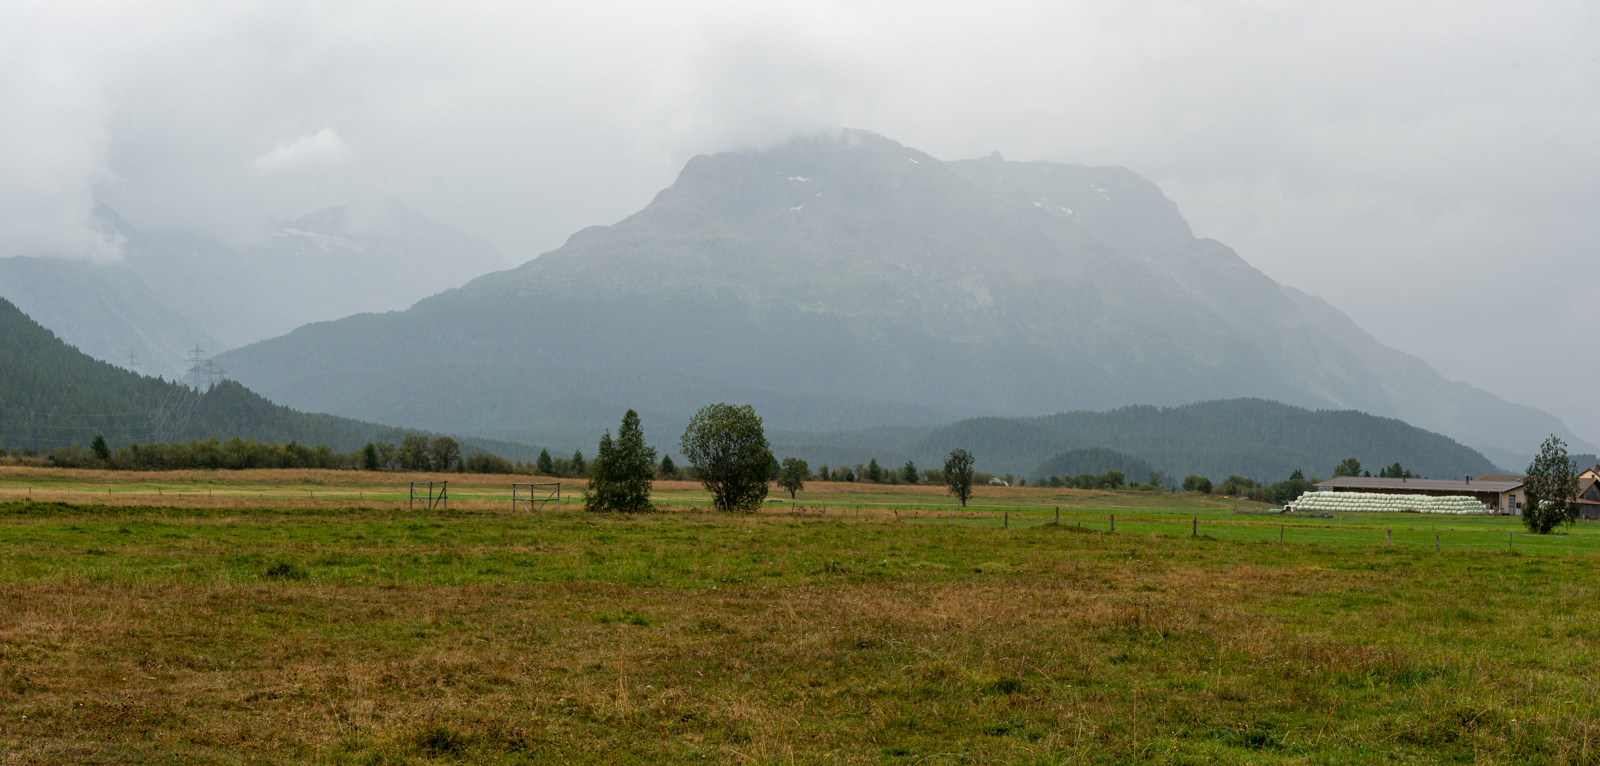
[1365, 502]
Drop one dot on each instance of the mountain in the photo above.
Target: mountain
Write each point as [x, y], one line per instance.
[175, 290]
[1254, 438]
[106, 310]
[845, 280]
[52, 395]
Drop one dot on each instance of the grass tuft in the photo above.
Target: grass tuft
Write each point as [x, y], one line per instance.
[441, 740]
[284, 570]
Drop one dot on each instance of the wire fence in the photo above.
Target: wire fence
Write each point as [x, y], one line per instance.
[1425, 534]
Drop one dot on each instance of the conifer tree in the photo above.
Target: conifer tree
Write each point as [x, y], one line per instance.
[620, 475]
[1349, 467]
[631, 467]
[600, 493]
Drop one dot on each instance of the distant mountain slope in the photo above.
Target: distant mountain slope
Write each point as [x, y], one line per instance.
[52, 395]
[847, 280]
[1332, 361]
[1092, 461]
[174, 290]
[105, 310]
[1254, 438]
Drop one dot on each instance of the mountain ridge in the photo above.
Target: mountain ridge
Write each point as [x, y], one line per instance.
[851, 271]
[1254, 438]
[174, 290]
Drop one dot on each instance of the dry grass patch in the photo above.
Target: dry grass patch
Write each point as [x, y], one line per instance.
[371, 637]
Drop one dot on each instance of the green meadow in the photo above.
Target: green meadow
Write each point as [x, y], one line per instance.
[894, 629]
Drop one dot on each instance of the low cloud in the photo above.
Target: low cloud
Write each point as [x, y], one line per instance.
[54, 143]
[1428, 168]
[321, 148]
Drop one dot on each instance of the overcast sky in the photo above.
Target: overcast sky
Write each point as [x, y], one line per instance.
[1433, 169]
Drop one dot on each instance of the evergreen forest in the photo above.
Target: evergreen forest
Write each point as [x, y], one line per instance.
[53, 396]
[1256, 438]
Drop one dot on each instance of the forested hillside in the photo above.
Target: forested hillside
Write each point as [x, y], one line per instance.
[1254, 438]
[52, 395]
[1093, 461]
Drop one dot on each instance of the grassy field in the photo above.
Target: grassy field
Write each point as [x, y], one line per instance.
[302, 488]
[345, 629]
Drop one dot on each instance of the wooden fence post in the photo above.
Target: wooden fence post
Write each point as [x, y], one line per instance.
[1113, 522]
[1391, 536]
[1007, 520]
[1194, 527]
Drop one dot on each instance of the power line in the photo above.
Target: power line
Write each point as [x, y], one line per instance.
[165, 422]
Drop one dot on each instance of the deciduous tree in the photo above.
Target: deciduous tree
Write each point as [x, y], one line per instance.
[792, 476]
[445, 453]
[729, 452]
[958, 474]
[414, 453]
[1551, 487]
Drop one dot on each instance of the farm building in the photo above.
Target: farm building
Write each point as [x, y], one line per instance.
[1588, 491]
[1501, 494]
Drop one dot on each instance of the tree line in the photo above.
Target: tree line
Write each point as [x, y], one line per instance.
[1278, 493]
[413, 453]
[728, 453]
